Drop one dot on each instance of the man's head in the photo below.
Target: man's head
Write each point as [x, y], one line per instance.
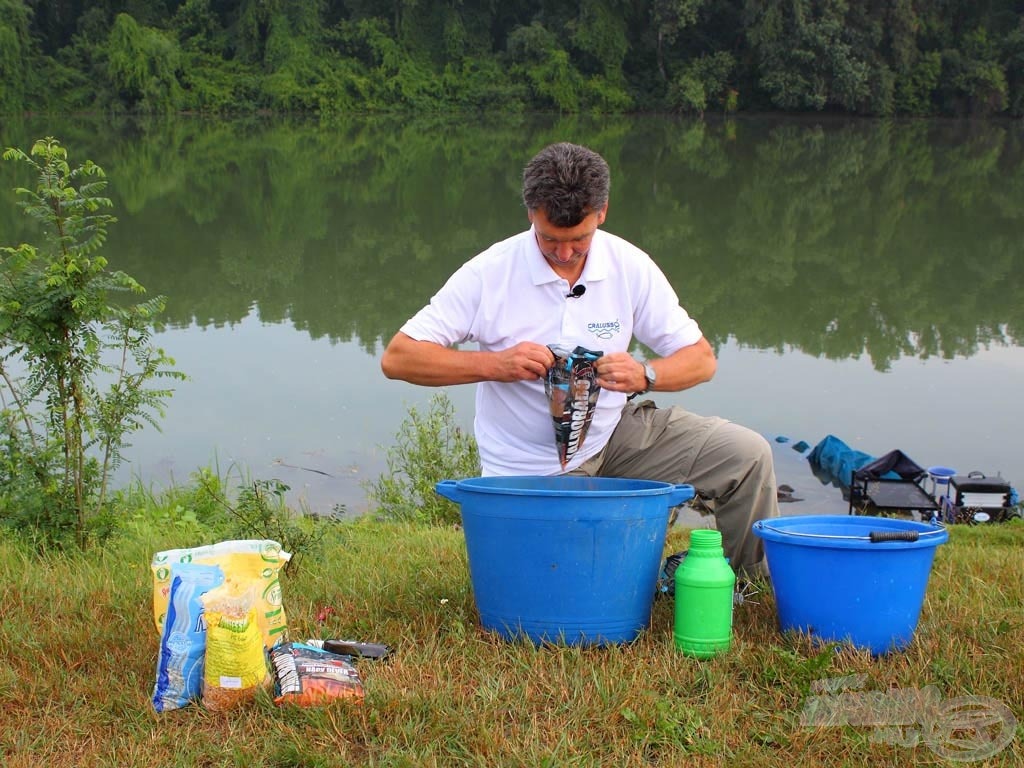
[567, 182]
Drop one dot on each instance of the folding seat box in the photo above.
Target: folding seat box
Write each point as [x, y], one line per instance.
[977, 490]
[976, 493]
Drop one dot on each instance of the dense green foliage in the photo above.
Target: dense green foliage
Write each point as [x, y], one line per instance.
[914, 57]
[75, 368]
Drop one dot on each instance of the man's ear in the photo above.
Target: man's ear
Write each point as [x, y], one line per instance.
[602, 214]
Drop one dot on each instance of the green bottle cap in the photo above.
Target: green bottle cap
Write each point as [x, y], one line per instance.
[705, 542]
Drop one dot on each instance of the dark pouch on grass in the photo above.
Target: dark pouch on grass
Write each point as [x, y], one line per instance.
[308, 676]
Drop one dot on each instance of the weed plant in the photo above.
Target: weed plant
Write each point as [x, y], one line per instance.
[77, 369]
[429, 447]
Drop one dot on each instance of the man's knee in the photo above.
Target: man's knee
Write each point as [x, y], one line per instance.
[746, 447]
[759, 450]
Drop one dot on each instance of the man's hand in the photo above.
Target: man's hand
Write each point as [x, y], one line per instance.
[619, 372]
[523, 362]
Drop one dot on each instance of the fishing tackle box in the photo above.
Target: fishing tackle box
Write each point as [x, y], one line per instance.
[975, 497]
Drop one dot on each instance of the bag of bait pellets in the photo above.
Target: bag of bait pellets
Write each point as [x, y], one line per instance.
[245, 562]
[236, 663]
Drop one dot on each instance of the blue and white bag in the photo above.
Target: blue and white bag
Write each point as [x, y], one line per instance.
[179, 669]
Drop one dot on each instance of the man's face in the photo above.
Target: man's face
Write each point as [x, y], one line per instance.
[565, 246]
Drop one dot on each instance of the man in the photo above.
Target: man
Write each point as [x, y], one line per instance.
[565, 281]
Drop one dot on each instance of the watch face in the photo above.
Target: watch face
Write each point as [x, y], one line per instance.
[651, 376]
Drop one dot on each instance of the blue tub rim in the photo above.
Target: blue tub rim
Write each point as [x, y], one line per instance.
[588, 487]
[785, 530]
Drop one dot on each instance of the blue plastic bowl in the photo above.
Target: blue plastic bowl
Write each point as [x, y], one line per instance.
[832, 582]
[564, 559]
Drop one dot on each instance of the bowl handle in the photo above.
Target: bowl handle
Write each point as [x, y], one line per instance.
[876, 536]
[680, 494]
[449, 489]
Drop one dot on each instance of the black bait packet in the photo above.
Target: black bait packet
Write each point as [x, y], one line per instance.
[572, 390]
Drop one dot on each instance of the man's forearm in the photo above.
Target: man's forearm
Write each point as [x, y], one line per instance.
[686, 368]
[432, 365]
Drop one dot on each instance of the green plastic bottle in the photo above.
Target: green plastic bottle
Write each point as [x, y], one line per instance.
[704, 597]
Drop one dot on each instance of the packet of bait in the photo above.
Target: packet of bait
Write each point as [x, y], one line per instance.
[572, 390]
[308, 676]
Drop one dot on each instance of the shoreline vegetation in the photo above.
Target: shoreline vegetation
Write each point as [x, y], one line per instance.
[335, 58]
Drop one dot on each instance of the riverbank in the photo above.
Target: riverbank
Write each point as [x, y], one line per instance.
[78, 650]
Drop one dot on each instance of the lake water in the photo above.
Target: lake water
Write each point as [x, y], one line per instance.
[857, 278]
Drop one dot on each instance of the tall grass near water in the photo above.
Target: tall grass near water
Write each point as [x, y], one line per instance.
[78, 647]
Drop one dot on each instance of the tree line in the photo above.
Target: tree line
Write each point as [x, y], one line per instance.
[336, 57]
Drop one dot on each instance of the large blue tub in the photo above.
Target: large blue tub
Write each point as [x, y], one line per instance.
[564, 559]
[850, 578]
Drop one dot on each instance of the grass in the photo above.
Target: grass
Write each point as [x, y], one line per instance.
[78, 649]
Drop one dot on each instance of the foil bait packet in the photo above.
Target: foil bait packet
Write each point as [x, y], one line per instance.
[572, 391]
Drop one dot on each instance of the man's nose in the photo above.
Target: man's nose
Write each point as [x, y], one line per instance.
[564, 250]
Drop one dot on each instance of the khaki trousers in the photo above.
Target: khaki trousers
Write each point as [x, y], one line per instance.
[729, 466]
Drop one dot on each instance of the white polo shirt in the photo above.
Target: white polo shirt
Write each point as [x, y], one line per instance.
[509, 294]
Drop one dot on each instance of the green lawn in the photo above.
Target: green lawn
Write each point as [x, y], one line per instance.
[78, 650]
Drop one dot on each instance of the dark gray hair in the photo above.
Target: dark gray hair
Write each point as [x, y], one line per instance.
[566, 181]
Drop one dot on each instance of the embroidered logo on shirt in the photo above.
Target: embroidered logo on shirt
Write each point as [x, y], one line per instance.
[604, 330]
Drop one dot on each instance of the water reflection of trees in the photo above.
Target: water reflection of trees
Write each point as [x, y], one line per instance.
[837, 239]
